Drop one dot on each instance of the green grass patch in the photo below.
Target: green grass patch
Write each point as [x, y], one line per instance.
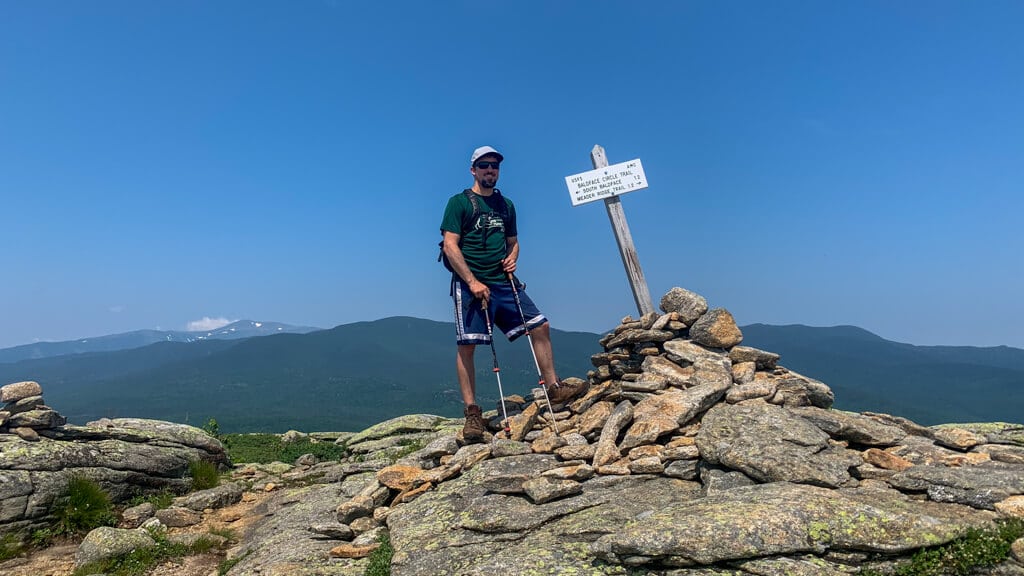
[41, 537]
[142, 561]
[266, 448]
[10, 546]
[81, 507]
[204, 474]
[160, 500]
[379, 561]
[202, 546]
[406, 447]
[226, 533]
[977, 548]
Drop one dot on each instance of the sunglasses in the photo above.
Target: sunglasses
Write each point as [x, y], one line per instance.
[486, 164]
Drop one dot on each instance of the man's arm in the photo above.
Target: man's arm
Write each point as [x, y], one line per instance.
[458, 264]
[512, 251]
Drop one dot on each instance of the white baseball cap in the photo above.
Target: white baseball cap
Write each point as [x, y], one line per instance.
[484, 151]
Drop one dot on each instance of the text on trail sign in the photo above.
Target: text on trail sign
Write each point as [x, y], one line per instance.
[606, 182]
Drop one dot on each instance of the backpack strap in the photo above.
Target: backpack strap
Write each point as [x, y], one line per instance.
[502, 209]
[462, 231]
[477, 211]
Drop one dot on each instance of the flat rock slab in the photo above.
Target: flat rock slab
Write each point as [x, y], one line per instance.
[976, 486]
[401, 425]
[771, 444]
[144, 430]
[506, 475]
[218, 497]
[53, 456]
[852, 427]
[461, 528]
[996, 432]
[767, 520]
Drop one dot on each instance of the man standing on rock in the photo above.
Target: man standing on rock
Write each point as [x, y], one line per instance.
[481, 247]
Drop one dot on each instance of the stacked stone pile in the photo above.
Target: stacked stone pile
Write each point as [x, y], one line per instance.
[683, 428]
[24, 413]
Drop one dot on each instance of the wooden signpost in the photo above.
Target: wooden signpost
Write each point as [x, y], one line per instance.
[608, 182]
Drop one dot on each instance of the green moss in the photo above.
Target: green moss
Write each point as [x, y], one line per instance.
[266, 448]
[977, 548]
[405, 448]
[820, 532]
[10, 546]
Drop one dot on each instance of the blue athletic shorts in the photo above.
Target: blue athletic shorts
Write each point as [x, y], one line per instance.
[470, 324]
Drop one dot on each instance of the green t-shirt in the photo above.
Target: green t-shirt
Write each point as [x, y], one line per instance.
[482, 242]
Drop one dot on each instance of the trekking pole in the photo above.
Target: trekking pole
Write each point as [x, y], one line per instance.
[540, 376]
[497, 371]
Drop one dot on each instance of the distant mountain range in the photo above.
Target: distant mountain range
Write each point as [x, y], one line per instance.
[355, 375]
[345, 378]
[138, 338]
[928, 384]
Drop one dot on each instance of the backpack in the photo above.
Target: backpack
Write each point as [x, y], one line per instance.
[477, 211]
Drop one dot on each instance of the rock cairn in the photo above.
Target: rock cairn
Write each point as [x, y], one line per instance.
[679, 409]
[24, 412]
[656, 376]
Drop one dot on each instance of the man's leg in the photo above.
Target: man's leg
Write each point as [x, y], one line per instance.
[541, 336]
[558, 392]
[511, 318]
[470, 329]
[466, 371]
[474, 428]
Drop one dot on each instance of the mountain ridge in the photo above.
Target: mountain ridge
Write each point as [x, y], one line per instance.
[7, 353]
[353, 375]
[144, 337]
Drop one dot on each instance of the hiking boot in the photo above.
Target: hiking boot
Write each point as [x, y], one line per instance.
[473, 430]
[566, 390]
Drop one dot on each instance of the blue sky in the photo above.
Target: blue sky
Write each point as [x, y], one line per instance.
[819, 163]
